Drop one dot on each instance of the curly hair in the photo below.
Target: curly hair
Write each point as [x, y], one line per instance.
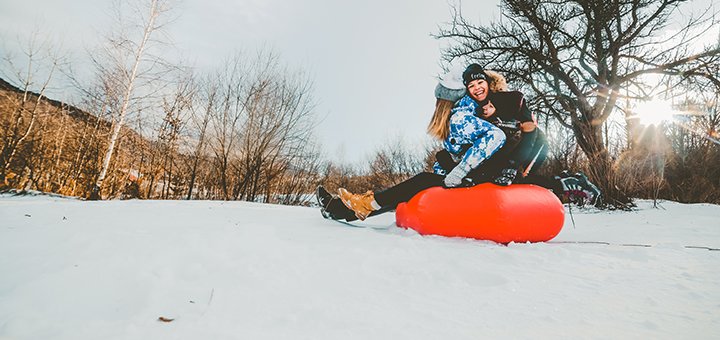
[497, 82]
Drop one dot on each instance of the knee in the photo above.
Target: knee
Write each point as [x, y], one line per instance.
[496, 139]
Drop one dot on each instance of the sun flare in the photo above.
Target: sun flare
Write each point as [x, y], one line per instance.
[654, 112]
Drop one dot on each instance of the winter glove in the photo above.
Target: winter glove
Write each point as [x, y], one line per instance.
[455, 177]
[507, 176]
[511, 124]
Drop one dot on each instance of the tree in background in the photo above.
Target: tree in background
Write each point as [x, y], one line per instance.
[277, 127]
[201, 108]
[20, 122]
[393, 163]
[577, 59]
[126, 64]
[693, 171]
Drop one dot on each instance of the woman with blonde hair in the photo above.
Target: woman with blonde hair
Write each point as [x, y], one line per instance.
[469, 139]
[465, 107]
[526, 147]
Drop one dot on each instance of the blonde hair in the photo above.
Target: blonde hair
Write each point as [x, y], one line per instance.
[439, 126]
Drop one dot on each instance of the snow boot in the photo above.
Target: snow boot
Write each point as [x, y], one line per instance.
[323, 198]
[507, 176]
[580, 191]
[573, 191]
[589, 188]
[361, 204]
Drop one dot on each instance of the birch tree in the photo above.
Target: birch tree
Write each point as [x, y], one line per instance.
[128, 63]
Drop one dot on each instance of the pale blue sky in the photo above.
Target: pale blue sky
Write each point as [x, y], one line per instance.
[373, 61]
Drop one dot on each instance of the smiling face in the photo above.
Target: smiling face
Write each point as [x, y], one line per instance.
[478, 89]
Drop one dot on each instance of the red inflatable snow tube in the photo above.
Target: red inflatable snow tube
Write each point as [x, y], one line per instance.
[516, 213]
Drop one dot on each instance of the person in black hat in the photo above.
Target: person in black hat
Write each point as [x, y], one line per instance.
[471, 139]
[471, 153]
[525, 149]
[508, 110]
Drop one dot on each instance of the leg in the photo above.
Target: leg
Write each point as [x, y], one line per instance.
[338, 211]
[529, 154]
[404, 191]
[372, 203]
[553, 184]
[537, 155]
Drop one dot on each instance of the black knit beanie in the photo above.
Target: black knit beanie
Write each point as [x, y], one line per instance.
[473, 72]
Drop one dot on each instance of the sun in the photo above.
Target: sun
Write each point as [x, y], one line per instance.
[654, 112]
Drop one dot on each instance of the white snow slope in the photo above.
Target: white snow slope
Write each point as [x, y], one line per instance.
[71, 269]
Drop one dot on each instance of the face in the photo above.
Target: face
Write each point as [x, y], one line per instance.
[488, 110]
[478, 89]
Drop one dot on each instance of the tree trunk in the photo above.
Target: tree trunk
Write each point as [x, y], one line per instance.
[601, 170]
[127, 97]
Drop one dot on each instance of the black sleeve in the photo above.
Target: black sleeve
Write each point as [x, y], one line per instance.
[511, 106]
[524, 115]
[445, 160]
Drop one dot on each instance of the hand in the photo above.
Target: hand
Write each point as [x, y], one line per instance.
[488, 110]
[455, 177]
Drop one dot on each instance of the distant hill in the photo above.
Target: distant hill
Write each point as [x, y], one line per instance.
[6, 89]
[53, 146]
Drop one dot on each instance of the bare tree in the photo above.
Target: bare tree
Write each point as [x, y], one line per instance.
[576, 57]
[165, 151]
[261, 124]
[393, 163]
[693, 173]
[201, 108]
[128, 63]
[277, 126]
[39, 58]
[301, 176]
[227, 111]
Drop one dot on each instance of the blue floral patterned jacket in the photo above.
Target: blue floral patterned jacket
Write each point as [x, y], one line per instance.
[472, 140]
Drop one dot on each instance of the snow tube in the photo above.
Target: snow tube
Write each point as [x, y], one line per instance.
[516, 213]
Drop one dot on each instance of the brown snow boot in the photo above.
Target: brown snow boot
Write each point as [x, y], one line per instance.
[361, 204]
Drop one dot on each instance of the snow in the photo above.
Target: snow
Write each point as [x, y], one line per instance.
[73, 269]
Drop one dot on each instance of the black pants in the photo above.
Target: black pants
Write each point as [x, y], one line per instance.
[551, 183]
[389, 198]
[529, 154]
[525, 155]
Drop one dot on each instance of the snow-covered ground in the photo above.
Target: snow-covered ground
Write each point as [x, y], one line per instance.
[234, 270]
